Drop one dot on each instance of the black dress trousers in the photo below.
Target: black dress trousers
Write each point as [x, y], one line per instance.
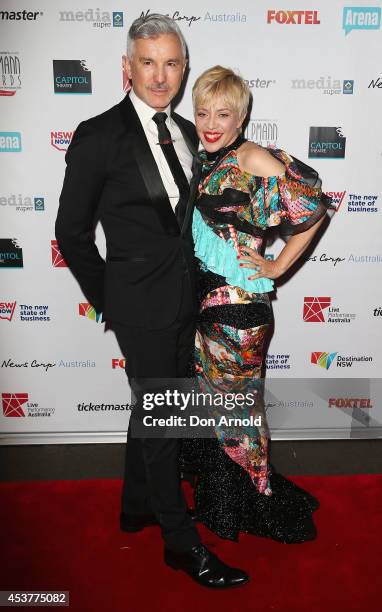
[152, 474]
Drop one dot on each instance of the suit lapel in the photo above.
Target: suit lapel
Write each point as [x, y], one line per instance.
[196, 171]
[148, 168]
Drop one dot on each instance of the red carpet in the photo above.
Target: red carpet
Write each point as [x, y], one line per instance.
[64, 535]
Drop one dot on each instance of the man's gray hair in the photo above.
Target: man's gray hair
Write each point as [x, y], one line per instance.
[152, 26]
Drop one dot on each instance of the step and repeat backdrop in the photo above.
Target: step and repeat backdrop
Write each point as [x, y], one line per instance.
[314, 69]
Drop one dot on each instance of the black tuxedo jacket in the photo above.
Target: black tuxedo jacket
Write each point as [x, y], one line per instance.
[111, 176]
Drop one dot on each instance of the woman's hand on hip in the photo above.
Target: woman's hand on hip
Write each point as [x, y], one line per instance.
[264, 268]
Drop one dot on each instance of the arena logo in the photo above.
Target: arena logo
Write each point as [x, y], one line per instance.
[57, 259]
[18, 405]
[72, 77]
[277, 362]
[177, 16]
[20, 15]
[9, 363]
[375, 83]
[315, 308]
[118, 363]
[362, 203]
[61, 140]
[98, 19]
[262, 131]
[334, 260]
[325, 360]
[11, 254]
[7, 310]
[90, 407]
[337, 198]
[87, 310]
[23, 204]
[10, 142]
[376, 258]
[325, 85]
[326, 143]
[10, 73]
[377, 312]
[293, 17]
[350, 402]
[260, 83]
[361, 18]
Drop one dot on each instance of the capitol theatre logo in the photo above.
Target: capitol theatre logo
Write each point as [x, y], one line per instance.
[57, 259]
[11, 255]
[326, 143]
[361, 18]
[314, 309]
[13, 404]
[7, 310]
[72, 77]
[10, 142]
[87, 310]
[10, 73]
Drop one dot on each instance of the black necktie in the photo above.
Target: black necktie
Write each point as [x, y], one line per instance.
[172, 159]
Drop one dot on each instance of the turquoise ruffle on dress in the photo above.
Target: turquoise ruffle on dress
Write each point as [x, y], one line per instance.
[219, 256]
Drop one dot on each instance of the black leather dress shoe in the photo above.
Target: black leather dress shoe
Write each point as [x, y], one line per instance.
[137, 522]
[205, 568]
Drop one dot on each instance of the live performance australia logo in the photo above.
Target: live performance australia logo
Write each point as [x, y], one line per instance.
[72, 77]
[262, 131]
[10, 73]
[327, 143]
[57, 259]
[22, 203]
[95, 17]
[18, 405]
[11, 253]
[319, 309]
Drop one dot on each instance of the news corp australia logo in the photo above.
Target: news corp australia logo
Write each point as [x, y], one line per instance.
[361, 18]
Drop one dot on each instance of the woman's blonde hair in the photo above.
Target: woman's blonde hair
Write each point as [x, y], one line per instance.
[219, 81]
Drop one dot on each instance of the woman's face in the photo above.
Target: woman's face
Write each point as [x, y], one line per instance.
[217, 125]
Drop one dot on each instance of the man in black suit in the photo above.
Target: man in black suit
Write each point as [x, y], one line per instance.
[130, 168]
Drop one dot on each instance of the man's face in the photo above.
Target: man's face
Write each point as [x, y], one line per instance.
[156, 69]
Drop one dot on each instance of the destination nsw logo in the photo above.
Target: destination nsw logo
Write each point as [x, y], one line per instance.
[326, 142]
[10, 73]
[18, 405]
[72, 77]
[87, 310]
[11, 254]
[325, 360]
[315, 308]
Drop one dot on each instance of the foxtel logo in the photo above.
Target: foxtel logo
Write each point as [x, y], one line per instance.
[350, 402]
[337, 198]
[6, 310]
[118, 363]
[293, 17]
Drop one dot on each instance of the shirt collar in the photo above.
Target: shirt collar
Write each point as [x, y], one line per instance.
[144, 111]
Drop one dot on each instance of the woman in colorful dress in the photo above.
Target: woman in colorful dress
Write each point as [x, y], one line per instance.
[244, 189]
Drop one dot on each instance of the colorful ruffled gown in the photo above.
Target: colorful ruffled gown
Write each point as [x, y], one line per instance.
[236, 489]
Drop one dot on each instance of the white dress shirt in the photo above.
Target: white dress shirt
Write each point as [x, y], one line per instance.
[145, 114]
